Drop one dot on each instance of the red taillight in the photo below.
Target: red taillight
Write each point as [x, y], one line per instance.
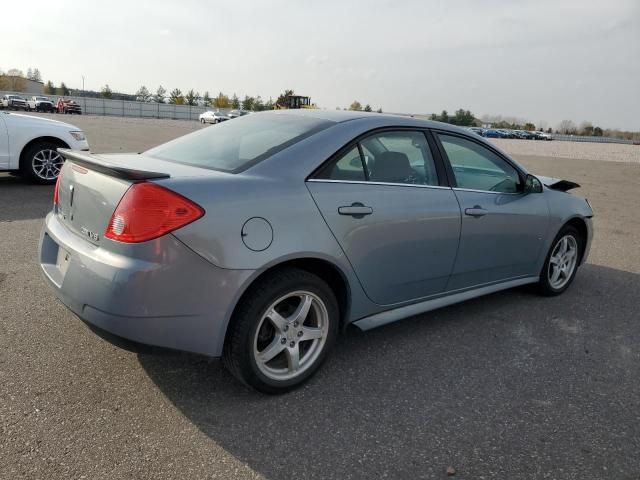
[56, 190]
[148, 211]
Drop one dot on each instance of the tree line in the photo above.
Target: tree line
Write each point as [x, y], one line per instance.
[191, 97]
[15, 80]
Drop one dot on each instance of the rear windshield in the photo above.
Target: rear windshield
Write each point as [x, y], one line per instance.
[238, 144]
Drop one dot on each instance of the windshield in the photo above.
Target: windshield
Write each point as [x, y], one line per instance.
[42, 98]
[237, 145]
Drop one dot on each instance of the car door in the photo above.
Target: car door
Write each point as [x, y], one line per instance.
[4, 144]
[502, 227]
[392, 213]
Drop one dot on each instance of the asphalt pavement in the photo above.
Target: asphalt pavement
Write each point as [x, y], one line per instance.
[512, 385]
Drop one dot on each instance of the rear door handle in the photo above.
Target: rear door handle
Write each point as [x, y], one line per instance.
[476, 211]
[356, 210]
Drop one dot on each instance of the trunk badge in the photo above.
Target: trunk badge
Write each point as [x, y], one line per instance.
[93, 236]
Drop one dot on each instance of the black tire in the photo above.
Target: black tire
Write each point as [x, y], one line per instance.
[545, 286]
[202, 121]
[26, 163]
[238, 354]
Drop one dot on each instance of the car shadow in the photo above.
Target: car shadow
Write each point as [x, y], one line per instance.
[510, 383]
[22, 200]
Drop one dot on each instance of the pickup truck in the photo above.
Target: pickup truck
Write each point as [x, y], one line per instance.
[13, 102]
[68, 106]
[40, 104]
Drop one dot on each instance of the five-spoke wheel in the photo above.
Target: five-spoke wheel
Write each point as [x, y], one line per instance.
[562, 261]
[291, 335]
[283, 328]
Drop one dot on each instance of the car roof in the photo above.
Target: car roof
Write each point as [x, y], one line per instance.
[379, 119]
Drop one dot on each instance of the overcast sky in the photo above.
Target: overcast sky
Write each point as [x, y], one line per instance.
[535, 60]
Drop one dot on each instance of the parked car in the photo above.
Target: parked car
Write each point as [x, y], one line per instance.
[491, 133]
[260, 240]
[504, 133]
[68, 106]
[40, 104]
[212, 117]
[238, 113]
[14, 102]
[476, 130]
[29, 145]
[543, 136]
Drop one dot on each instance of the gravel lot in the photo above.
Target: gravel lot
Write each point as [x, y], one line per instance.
[611, 152]
[507, 386]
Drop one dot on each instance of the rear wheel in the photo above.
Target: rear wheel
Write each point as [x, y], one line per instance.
[282, 331]
[202, 121]
[41, 162]
[561, 264]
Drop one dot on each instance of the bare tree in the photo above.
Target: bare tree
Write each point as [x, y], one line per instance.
[567, 127]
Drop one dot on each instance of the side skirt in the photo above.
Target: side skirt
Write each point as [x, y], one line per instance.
[388, 316]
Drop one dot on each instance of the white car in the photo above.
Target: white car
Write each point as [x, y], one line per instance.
[40, 104]
[212, 117]
[29, 145]
[543, 136]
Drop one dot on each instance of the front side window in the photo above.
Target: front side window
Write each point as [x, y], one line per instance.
[234, 146]
[401, 157]
[478, 168]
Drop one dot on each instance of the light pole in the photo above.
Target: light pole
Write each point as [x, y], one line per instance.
[83, 85]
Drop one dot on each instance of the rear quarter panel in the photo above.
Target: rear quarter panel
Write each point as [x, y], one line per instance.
[299, 231]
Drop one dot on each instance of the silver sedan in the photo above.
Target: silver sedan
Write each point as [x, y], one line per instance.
[262, 239]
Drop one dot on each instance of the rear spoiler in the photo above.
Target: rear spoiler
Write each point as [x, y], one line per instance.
[98, 164]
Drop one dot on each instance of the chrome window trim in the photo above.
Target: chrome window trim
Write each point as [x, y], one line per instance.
[485, 191]
[364, 182]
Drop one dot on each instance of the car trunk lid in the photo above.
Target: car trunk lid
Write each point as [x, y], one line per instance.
[91, 187]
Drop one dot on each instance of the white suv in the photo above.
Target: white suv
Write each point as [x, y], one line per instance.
[29, 145]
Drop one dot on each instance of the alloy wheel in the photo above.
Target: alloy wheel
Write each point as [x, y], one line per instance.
[47, 163]
[291, 335]
[563, 261]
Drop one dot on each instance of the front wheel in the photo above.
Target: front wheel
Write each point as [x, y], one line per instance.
[561, 264]
[282, 331]
[41, 163]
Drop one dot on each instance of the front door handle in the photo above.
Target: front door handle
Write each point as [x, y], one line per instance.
[476, 211]
[356, 210]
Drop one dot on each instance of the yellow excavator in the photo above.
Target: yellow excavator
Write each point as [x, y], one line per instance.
[294, 102]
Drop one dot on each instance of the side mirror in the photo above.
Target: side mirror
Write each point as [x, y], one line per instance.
[532, 184]
[356, 162]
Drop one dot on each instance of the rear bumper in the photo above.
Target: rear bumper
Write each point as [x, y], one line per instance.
[171, 298]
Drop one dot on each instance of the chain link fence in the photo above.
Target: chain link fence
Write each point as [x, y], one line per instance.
[129, 108]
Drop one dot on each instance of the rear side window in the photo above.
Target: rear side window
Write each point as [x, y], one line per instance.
[348, 167]
[237, 144]
[397, 157]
